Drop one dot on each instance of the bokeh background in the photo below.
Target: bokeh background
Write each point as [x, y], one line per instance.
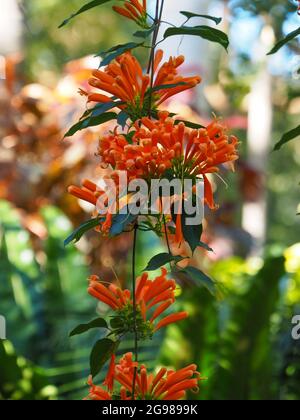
[242, 341]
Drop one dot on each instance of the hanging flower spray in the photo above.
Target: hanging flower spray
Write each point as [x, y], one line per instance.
[147, 143]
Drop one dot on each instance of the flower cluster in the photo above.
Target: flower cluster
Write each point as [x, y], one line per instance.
[155, 296]
[135, 11]
[124, 83]
[164, 385]
[158, 146]
[151, 145]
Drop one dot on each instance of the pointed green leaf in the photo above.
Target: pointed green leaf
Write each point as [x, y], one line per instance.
[162, 259]
[109, 55]
[122, 119]
[205, 32]
[82, 328]
[201, 278]
[190, 15]
[282, 42]
[101, 353]
[190, 124]
[91, 122]
[145, 34]
[168, 86]
[291, 135]
[205, 246]
[83, 9]
[116, 322]
[120, 223]
[192, 234]
[81, 230]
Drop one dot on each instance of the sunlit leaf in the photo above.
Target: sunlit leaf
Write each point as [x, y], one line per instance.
[91, 122]
[144, 34]
[291, 135]
[190, 124]
[191, 233]
[284, 41]
[201, 278]
[190, 15]
[168, 86]
[122, 119]
[81, 230]
[114, 52]
[101, 353]
[82, 328]
[83, 9]
[205, 246]
[120, 223]
[205, 32]
[162, 259]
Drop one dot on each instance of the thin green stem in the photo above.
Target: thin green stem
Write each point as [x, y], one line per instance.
[136, 355]
[157, 21]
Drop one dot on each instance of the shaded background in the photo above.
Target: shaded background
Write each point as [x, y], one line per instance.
[241, 342]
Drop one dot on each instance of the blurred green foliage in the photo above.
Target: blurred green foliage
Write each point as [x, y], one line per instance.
[48, 49]
[243, 344]
[21, 380]
[43, 297]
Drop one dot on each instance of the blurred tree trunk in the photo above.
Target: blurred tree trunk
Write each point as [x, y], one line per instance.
[10, 27]
[260, 116]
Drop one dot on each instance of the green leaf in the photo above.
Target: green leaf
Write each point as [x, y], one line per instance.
[145, 34]
[102, 108]
[122, 119]
[205, 246]
[83, 9]
[168, 86]
[120, 222]
[109, 55]
[206, 32]
[116, 323]
[101, 353]
[82, 328]
[282, 42]
[187, 123]
[81, 230]
[162, 259]
[190, 124]
[192, 234]
[91, 122]
[190, 15]
[291, 135]
[201, 278]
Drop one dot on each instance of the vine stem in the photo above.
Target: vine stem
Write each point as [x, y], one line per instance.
[157, 22]
[136, 350]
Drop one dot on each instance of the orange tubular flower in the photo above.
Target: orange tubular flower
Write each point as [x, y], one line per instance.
[135, 11]
[97, 393]
[124, 80]
[165, 385]
[159, 293]
[91, 193]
